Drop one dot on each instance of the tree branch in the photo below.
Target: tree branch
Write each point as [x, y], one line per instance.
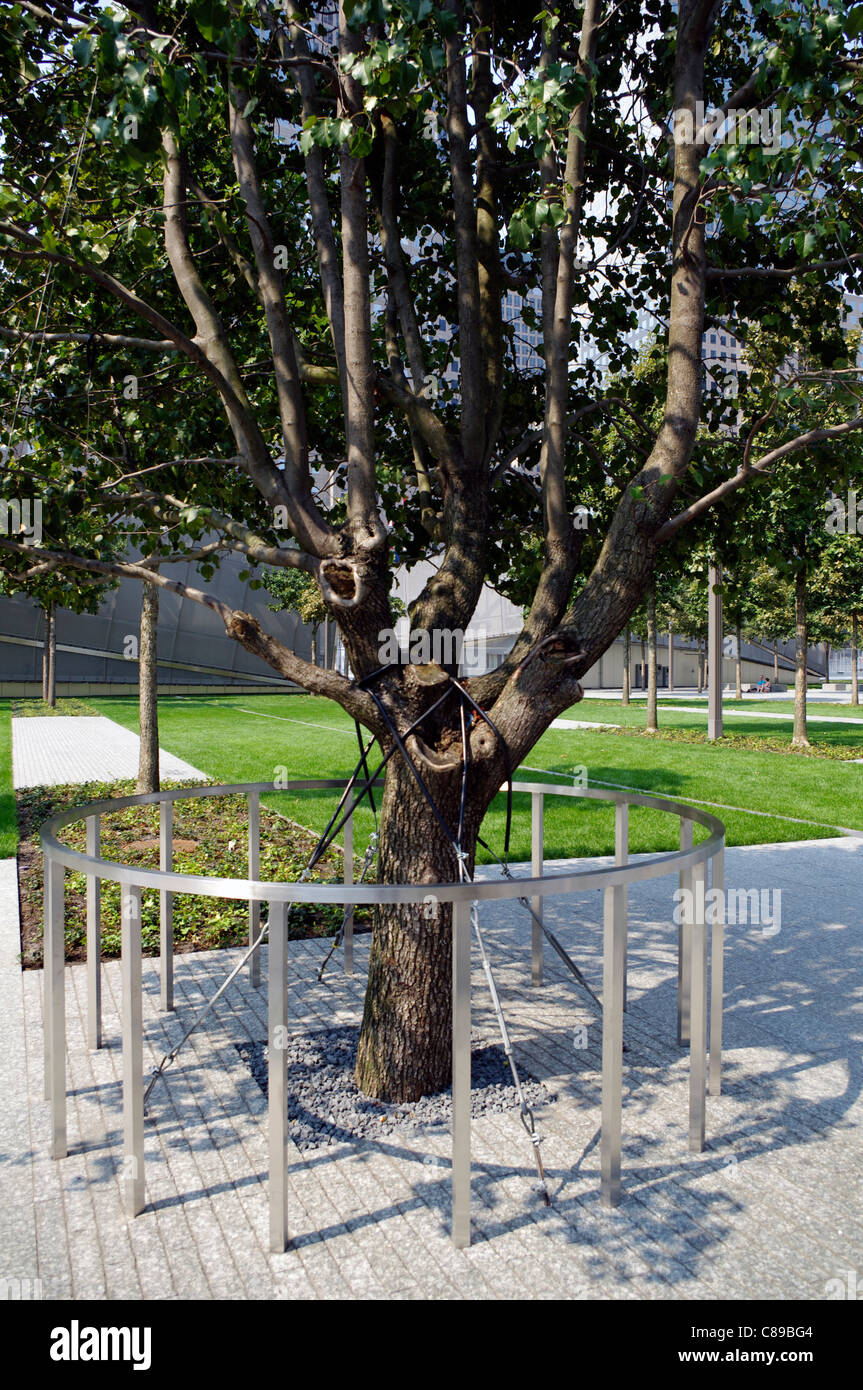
[777, 273]
[754, 470]
[241, 626]
[368, 529]
[308, 525]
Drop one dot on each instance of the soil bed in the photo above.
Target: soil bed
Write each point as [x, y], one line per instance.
[210, 837]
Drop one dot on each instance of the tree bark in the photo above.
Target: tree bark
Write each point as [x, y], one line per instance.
[855, 683]
[49, 658]
[148, 701]
[800, 739]
[738, 672]
[627, 656]
[46, 642]
[652, 725]
[405, 1048]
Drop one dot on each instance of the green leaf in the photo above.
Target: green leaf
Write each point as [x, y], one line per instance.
[360, 143]
[82, 50]
[519, 233]
[102, 127]
[250, 106]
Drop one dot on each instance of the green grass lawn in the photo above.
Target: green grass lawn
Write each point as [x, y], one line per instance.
[838, 710]
[8, 819]
[248, 738]
[734, 722]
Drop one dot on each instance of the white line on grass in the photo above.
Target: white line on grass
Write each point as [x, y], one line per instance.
[762, 714]
[717, 805]
[286, 719]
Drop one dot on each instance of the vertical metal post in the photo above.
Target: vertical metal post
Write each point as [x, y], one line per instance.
[717, 971]
[277, 1105]
[348, 937]
[133, 1051]
[461, 1074]
[54, 985]
[536, 861]
[714, 653]
[612, 1044]
[684, 928]
[698, 1043]
[47, 951]
[254, 872]
[166, 907]
[621, 856]
[94, 940]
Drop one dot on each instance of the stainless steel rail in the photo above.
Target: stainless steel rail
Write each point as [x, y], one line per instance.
[690, 861]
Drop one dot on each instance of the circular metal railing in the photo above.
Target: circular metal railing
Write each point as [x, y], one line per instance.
[690, 861]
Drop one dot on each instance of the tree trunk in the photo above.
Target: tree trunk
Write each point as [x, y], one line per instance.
[49, 658]
[855, 684]
[670, 658]
[827, 662]
[652, 724]
[46, 643]
[627, 654]
[314, 645]
[775, 662]
[148, 701]
[738, 674]
[405, 1048]
[700, 664]
[800, 739]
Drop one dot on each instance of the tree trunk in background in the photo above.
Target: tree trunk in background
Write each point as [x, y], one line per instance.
[800, 739]
[775, 662]
[652, 725]
[827, 661]
[49, 658]
[670, 658]
[46, 642]
[627, 652]
[738, 675]
[314, 645]
[148, 701]
[855, 684]
[700, 665]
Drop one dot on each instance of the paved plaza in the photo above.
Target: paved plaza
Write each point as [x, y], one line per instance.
[51, 751]
[771, 1209]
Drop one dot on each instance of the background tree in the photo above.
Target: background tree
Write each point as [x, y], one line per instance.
[264, 287]
[839, 583]
[772, 608]
[296, 592]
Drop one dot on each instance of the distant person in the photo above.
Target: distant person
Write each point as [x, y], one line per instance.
[763, 686]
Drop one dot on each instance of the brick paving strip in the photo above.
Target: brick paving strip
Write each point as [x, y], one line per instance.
[51, 750]
[770, 1209]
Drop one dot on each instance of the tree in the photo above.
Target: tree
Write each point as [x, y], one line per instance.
[263, 293]
[297, 592]
[148, 692]
[839, 583]
[772, 608]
